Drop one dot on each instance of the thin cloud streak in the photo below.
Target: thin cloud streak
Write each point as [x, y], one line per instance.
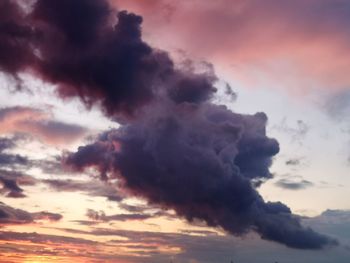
[39, 124]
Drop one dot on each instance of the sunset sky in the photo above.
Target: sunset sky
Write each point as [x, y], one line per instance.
[190, 131]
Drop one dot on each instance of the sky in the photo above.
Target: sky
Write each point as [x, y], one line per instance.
[185, 131]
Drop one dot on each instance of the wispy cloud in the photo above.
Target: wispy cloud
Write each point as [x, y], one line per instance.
[293, 183]
[39, 124]
[14, 216]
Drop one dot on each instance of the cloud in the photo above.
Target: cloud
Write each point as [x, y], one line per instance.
[207, 247]
[10, 176]
[39, 124]
[337, 105]
[44, 215]
[215, 153]
[13, 216]
[102, 217]
[12, 159]
[157, 247]
[293, 184]
[19, 247]
[300, 45]
[293, 162]
[297, 162]
[113, 67]
[90, 187]
[297, 132]
[175, 148]
[12, 187]
[42, 238]
[12, 27]
[8, 160]
[6, 143]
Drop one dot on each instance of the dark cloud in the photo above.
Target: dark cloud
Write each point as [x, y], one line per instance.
[44, 215]
[9, 160]
[293, 183]
[297, 163]
[14, 35]
[179, 150]
[6, 143]
[12, 187]
[99, 59]
[12, 181]
[13, 216]
[10, 215]
[101, 216]
[199, 161]
[293, 162]
[12, 160]
[9, 177]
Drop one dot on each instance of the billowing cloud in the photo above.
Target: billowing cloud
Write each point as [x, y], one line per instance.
[201, 166]
[112, 66]
[175, 148]
[39, 124]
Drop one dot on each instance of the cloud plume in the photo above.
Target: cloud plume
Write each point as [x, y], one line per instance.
[175, 148]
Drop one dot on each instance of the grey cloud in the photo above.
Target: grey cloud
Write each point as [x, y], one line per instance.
[293, 183]
[90, 187]
[102, 217]
[14, 216]
[13, 181]
[39, 124]
[297, 132]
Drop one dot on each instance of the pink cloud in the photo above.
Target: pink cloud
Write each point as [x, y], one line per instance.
[297, 44]
[39, 124]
